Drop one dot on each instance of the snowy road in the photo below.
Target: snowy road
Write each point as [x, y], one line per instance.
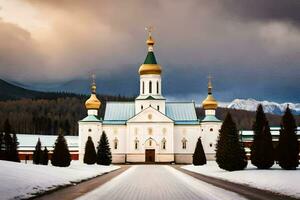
[159, 182]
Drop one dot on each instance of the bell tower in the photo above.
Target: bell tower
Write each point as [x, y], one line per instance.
[150, 80]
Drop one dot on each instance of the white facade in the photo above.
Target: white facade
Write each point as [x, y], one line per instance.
[151, 129]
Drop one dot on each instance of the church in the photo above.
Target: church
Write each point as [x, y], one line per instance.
[151, 129]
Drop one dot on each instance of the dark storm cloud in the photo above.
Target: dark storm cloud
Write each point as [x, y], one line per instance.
[259, 58]
[264, 10]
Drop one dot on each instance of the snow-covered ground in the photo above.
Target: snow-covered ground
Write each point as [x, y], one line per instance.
[19, 180]
[275, 179]
[159, 182]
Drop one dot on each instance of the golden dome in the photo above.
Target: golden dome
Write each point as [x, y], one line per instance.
[93, 102]
[210, 103]
[149, 69]
[150, 65]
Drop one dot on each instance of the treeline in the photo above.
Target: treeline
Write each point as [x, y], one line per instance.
[48, 116]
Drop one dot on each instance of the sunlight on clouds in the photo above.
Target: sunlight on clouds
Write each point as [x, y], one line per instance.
[24, 15]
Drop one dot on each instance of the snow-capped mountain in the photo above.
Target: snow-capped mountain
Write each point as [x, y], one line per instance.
[269, 107]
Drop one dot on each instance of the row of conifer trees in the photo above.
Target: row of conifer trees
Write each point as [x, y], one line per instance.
[61, 156]
[230, 152]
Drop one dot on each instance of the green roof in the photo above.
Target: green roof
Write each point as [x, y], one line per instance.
[150, 59]
[90, 118]
[210, 118]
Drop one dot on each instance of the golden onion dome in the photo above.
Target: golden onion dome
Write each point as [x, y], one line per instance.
[210, 103]
[150, 65]
[93, 102]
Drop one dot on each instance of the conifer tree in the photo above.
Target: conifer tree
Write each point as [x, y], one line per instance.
[61, 156]
[262, 151]
[288, 146]
[90, 155]
[37, 154]
[14, 150]
[7, 146]
[2, 146]
[199, 155]
[103, 151]
[45, 157]
[230, 154]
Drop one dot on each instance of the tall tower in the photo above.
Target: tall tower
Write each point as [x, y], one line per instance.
[90, 125]
[150, 81]
[210, 125]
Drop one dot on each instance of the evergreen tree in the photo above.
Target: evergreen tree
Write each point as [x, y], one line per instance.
[103, 151]
[7, 146]
[230, 154]
[37, 154]
[14, 150]
[288, 146]
[45, 157]
[90, 155]
[7, 126]
[199, 155]
[2, 146]
[262, 151]
[61, 156]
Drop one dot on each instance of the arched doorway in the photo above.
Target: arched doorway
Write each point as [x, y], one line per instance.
[150, 146]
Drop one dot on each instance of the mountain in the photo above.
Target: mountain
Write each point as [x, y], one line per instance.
[9, 91]
[269, 107]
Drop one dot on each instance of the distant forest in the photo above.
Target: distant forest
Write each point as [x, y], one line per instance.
[48, 116]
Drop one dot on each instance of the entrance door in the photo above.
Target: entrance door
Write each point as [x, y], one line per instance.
[150, 155]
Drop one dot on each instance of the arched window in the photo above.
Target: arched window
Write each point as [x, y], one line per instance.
[136, 144]
[158, 108]
[157, 87]
[211, 129]
[150, 87]
[90, 130]
[142, 107]
[150, 142]
[184, 141]
[116, 141]
[143, 87]
[163, 143]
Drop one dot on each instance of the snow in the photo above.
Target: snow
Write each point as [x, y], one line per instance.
[159, 182]
[19, 180]
[275, 179]
[269, 107]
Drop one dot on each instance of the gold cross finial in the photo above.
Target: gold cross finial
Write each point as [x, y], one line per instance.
[93, 85]
[149, 29]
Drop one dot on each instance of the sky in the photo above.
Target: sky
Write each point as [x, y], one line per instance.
[251, 48]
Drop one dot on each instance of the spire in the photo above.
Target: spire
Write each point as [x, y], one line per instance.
[93, 85]
[150, 42]
[209, 85]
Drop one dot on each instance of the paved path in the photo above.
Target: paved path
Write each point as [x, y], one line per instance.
[159, 182]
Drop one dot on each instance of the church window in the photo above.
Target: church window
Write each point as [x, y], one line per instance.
[157, 87]
[143, 85]
[90, 130]
[210, 144]
[142, 107]
[158, 108]
[136, 144]
[150, 142]
[163, 143]
[211, 129]
[150, 87]
[116, 141]
[184, 141]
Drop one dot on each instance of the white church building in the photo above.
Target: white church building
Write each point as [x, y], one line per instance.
[151, 129]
